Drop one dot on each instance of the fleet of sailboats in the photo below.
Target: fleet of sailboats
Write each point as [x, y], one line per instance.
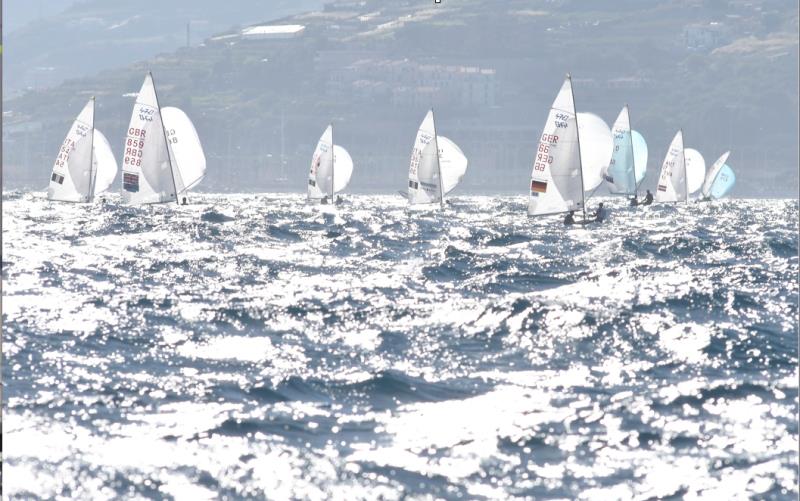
[164, 159]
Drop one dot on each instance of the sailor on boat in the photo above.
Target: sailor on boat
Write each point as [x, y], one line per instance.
[600, 214]
[648, 199]
[569, 220]
[183, 202]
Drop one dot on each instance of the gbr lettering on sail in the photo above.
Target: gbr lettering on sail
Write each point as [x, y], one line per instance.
[543, 157]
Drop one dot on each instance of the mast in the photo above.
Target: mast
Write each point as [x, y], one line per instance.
[438, 164]
[685, 174]
[92, 175]
[166, 142]
[578, 136]
[333, 163]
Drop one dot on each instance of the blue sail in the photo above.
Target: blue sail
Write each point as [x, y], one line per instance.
[723, 182]
[620, 174]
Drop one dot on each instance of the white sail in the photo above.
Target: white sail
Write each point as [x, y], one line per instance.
[342, 167]
[321, 166]
[672, 181]
[639, 156]
[453, 164]
[556, 182]
[620, 174]
[147, 172]
[71, 178]
[424, 182]
[105, 165]
[695, 169]
[184, 143]
[597, 144]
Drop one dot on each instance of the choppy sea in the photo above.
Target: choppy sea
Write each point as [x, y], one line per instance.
[254, 346]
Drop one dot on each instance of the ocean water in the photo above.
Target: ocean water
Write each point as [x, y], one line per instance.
[253, 346]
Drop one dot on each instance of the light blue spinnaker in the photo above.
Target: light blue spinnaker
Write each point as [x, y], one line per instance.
[720, 179]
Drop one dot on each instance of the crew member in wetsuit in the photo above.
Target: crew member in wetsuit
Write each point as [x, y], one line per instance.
[569, 220]
[183, 202]
[648, 199]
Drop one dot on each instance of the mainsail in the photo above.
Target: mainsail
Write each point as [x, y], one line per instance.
[672, 181]
[720, 178]
[556, 180]
[187, 152]
[424, 171]
[331, 168]
[321, 165]
[620, 174]
[695, 170]
[85, 165]
[148, 174]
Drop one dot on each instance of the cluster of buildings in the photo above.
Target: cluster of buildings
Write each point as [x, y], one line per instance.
[405, 83]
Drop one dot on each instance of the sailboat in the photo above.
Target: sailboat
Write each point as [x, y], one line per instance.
[163, 156]
[437, 165]
[331, 169]
[85, 165]
[720, 179]
[672, 185]
[626, 169]
[557, 176]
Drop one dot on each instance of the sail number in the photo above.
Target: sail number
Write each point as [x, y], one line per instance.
[69, 145]
[63, 153]
[134, 145]
[562, 120]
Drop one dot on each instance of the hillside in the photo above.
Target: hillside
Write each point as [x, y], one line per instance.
[724, 71]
